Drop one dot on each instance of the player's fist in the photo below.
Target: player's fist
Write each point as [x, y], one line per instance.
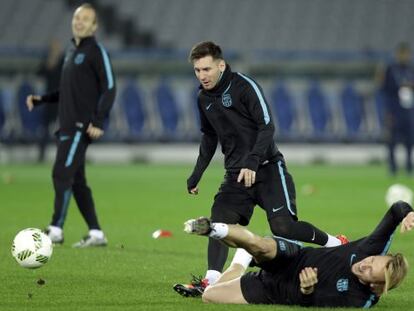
[30, 101]
[308, 277]
[94, 132]
[407, 223]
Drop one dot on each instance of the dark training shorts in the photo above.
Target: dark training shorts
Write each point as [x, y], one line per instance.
[272, 283]
[274, 191]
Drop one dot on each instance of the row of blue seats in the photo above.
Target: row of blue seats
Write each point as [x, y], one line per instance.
[312, 120]
[353, 109]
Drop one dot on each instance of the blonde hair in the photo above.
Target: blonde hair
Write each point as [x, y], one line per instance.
[395, 271]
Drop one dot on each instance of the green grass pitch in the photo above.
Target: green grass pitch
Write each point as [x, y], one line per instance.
[136, 272]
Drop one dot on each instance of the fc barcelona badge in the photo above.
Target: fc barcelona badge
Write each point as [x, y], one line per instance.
[79, 58]
[226, 100]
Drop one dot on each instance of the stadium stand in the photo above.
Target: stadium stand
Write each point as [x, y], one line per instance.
[274, 41]
[277, 24]
[333, 25]
[2, 115]
[30, 121]
[380, 108]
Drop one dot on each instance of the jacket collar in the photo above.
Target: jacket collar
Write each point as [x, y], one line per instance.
[84, 41]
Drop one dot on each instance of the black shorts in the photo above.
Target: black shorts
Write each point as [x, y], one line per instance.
[274, 191]
[277, 279]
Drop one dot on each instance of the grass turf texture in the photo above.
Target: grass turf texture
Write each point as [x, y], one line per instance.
[136, 272]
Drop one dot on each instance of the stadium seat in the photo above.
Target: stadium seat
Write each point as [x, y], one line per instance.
[380, 108]
[133, 107]
[193, 114]
[182, 31]
[168, 110]
[2, 115]
[352, 108]
[30, 120]
[319, 112]
[194, 95]
[284, 110]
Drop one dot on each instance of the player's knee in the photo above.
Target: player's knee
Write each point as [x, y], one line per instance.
[262, 249]
[61, 180]
[61, 175]
[280, 231]
[77, 186]
[281, 226]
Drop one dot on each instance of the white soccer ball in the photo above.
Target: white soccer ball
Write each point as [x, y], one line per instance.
[398, 192]
[32, 248]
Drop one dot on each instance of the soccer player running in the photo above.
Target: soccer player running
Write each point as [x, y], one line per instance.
[234, 112]
[85, 97]
[351, 275]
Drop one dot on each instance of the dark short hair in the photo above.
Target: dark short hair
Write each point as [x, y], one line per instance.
[203, 49]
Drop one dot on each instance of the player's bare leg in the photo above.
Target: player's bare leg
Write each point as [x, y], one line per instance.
[226, 291]
[262, 249]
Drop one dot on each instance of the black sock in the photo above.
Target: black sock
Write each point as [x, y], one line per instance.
[217, 255]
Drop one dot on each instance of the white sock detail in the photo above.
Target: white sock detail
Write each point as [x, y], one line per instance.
[242, 257]
[55, 231]
[96, 233]
[218, 230]
[212, 276]
[332, 241]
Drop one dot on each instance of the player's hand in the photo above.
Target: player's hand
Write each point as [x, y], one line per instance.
[29, 101]
[248, 176]
[407, 223]
[193, 191]
[94, 132]
[192, 182]
[308, 277]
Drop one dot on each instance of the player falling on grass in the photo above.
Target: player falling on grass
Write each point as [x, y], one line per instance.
[234, 112]
[351, 275]
[85, 97]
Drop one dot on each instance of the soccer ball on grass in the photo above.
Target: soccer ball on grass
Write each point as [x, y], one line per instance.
[32, 248]
[398, 192]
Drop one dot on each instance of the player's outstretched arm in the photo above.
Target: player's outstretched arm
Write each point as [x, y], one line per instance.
[378, 240]
[35, 100]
